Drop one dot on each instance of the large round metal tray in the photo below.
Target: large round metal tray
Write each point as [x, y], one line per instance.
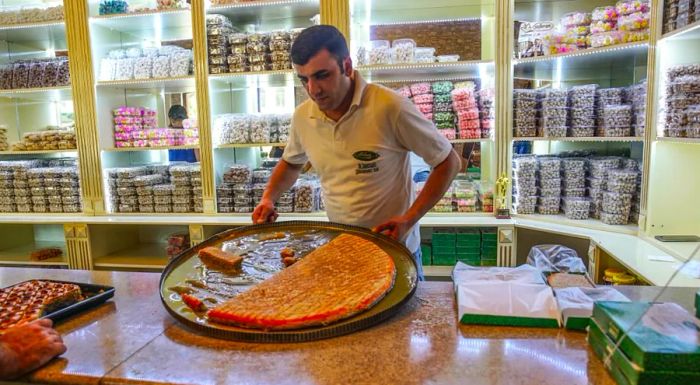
[183, 266]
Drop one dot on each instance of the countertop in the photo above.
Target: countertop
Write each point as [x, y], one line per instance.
[132, 339]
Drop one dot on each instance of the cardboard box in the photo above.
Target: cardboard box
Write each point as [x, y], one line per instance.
[426, 254]
[444, 260]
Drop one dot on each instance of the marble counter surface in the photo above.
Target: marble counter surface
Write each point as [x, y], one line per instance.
[132, 340]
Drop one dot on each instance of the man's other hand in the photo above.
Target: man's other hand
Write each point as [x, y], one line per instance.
[395, 228]
[265, 212]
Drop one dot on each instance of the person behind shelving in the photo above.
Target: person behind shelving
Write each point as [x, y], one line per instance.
[358, 136]
[29, 346]
[176, 115]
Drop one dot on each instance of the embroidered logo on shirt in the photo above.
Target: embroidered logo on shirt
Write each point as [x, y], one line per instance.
[366, 156]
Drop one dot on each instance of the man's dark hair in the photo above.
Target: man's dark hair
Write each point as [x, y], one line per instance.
[314, 39]
[177, 112]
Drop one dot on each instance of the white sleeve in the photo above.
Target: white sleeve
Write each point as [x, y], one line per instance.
[420, 135]
[294, 152]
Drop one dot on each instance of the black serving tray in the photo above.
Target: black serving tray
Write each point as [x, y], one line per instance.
[184, 265]
[94, 295]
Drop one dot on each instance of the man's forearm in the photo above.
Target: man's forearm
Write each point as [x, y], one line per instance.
[438, 182]
[282, 179]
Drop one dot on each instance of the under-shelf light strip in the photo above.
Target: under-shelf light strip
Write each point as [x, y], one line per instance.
[259, 4]
[31, 25]
[429, 21]
[586, 52]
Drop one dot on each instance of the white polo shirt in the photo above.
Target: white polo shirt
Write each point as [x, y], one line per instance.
[363, 158]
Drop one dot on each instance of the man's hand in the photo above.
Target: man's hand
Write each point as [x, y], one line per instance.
[265, 212]
[395, 227]
[27, 347]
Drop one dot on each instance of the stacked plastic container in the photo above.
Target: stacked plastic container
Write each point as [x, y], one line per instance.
[575, 204]
[4, 145]
[219, 28]
[445, 118]
[465, 107]
[549, 182]
[487, 111]
[614, 116]
[236, 190]
[583, 118]
[598, 171]
[155, 188]
[524, 113]
[617, 199]
[553, 118]
[637, 97]
[40, 186]
[35, 73]
[525, 184]
[682, 103]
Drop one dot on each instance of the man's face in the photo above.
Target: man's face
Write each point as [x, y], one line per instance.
[324, 81]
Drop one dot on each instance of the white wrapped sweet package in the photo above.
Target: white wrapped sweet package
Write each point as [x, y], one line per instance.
[506, 303]
[524, 274]
[576, 303]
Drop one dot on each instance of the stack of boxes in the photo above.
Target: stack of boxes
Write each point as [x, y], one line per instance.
[476, 247]
[646, 352]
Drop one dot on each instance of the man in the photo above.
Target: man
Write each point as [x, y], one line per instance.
[27, 347]
[176, 115]
[358, 137]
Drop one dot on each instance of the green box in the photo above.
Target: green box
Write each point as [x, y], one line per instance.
[489, 253]
[443, 237]
[426, 254]
[468, 235]
[470, 262]
[472, 256]
[444, 259]
[489, 262]
[624, 371]
[445, 250]
[468, 244]
[472, 250]
[489, 235]
[677, 350]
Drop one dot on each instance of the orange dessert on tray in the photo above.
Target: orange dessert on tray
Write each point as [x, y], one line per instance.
[344, 277]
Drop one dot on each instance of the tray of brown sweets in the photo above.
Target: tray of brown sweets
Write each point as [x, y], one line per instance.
[43, 298]
[288, 282]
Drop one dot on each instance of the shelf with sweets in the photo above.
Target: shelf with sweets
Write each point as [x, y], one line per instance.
[690, 31]
[581, 139]
[19, 255]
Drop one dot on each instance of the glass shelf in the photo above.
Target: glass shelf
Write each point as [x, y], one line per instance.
[279, 14]
[36, 152]
[40, 94]
[155, 83]
[585, 64]
[580, 139]
[679, 140]
[427, 71]
[134, 149]
[691, 31]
